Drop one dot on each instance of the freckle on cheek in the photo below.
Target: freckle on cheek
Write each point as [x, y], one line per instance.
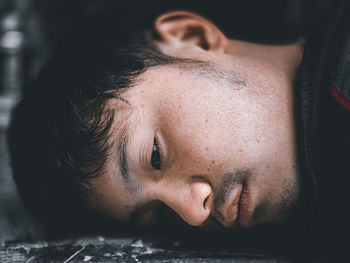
[206, 148]
[212, 161]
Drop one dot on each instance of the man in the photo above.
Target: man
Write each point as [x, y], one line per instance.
[173, 112]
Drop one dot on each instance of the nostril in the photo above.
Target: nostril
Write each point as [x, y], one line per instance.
[205, 202]
[201, 191]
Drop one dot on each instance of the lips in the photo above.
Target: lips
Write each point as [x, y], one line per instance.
[237, 210]
[230, 210]
[245, 208]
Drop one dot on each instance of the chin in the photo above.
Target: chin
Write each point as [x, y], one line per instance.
[277, 215]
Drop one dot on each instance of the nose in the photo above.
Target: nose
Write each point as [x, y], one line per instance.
[189, 200]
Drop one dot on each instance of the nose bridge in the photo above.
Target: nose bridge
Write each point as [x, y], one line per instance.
[187, 198]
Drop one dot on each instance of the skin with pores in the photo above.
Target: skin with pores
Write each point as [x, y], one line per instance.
[225, 132]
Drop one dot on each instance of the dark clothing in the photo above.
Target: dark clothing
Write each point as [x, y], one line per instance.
[323, 117]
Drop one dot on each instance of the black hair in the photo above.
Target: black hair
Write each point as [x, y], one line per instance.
[59, 132]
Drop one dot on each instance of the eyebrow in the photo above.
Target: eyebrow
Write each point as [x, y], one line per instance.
[122, 142]
[122, 146]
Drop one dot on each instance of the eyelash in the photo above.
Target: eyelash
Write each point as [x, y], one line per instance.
[156, 156]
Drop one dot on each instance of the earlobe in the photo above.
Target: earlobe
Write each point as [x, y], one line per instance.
[185, 29]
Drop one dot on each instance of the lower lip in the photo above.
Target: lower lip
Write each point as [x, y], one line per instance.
[245, 208]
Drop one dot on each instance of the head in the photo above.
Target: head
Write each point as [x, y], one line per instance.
[169, 114]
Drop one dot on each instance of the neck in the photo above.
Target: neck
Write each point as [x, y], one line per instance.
[285, 58]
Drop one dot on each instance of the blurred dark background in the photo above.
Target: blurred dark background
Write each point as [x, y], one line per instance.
[30, 30]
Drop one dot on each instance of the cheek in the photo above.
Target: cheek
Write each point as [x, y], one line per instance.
[201, 134]
[221, 124]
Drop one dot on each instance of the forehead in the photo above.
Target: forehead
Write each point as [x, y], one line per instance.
[103, 189]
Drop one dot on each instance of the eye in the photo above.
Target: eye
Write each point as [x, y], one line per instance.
[155, 157]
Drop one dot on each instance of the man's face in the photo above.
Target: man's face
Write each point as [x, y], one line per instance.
[213, 140]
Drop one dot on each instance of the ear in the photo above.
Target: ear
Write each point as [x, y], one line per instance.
[183, 29]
